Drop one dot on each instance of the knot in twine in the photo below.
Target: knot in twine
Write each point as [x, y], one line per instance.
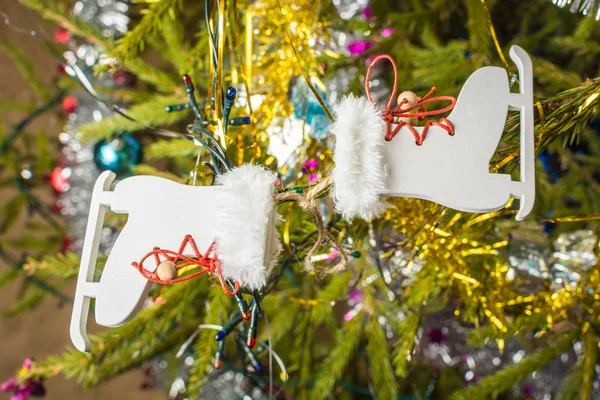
[307, 201]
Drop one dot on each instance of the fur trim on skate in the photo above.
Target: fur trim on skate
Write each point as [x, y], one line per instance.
[358, 174]
[246, 236]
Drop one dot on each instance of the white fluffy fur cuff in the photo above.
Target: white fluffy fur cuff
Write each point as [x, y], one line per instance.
[358, 174]
[247, 241]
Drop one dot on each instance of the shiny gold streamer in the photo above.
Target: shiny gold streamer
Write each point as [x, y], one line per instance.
[508, 70]
[495, 38]
[246, 68]
[211, 69]
[304, 73]
[505, 161]
[249, 43]
[451, 246]
[220, 48]
[573, 218]
[541, 112]
[234, 81]
[286, 229]
[245, 65]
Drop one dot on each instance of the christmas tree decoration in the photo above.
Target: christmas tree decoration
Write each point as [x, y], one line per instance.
[110, 16]
[59, 179]
[25, 389]
[443, 296]
[78, 158]
[574, 254]
[349, 8]
[452, 165]
[576, 249]
[234, 220]
[359, 172]
[246, 215]
[410, 102]
[70, 104]
[586, 7]
[261, 378]
[118, 154]
[62, 36]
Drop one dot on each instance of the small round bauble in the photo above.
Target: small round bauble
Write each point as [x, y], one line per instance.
[118, 154]
[59, 179]
[166, 271]
[412, 100]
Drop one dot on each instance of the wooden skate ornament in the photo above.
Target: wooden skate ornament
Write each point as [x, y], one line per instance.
[449, 166]
[237, 215]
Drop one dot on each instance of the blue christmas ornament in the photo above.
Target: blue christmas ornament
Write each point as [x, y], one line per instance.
[118, 154]
[308, 109]
[230, 94]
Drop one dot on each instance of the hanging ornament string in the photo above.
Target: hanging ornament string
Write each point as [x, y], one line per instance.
[390, 115]
[207, 262]
[308, 202]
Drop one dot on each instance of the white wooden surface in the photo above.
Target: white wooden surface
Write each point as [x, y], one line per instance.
[160, 213]
[454, 170]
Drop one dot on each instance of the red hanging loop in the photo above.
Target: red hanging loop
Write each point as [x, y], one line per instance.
[208, 263]
[391, 114]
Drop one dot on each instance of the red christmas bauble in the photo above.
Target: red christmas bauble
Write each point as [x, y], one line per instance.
[61, 35]
[60, 179]
[70, 104]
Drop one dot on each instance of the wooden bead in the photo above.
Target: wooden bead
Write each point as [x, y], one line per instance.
[167, 271]
[413, 100]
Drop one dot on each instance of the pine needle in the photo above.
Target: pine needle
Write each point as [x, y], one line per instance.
[26, 69]
[332, 369]
[506, 378]
[382, 372]
[407, 332]
[133, 41]
[152, 113]
[55, 12]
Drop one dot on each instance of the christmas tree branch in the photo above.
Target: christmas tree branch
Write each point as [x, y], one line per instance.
[219, 308]
[570, 388]
[61, 265]
[407, 332]
[590, 348]
[145, 169]
[486, 334]
[566, 114]
[127, 47]
[378, 353]
[152, 113]
[26, 302]
[152, 331]
[510, 375]
[172, 148]
[57, 13]
[26, 69]
[175, 49]
[347, 340]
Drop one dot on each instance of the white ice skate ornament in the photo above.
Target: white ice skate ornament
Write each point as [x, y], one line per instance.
[450, 166]
[238, 215]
